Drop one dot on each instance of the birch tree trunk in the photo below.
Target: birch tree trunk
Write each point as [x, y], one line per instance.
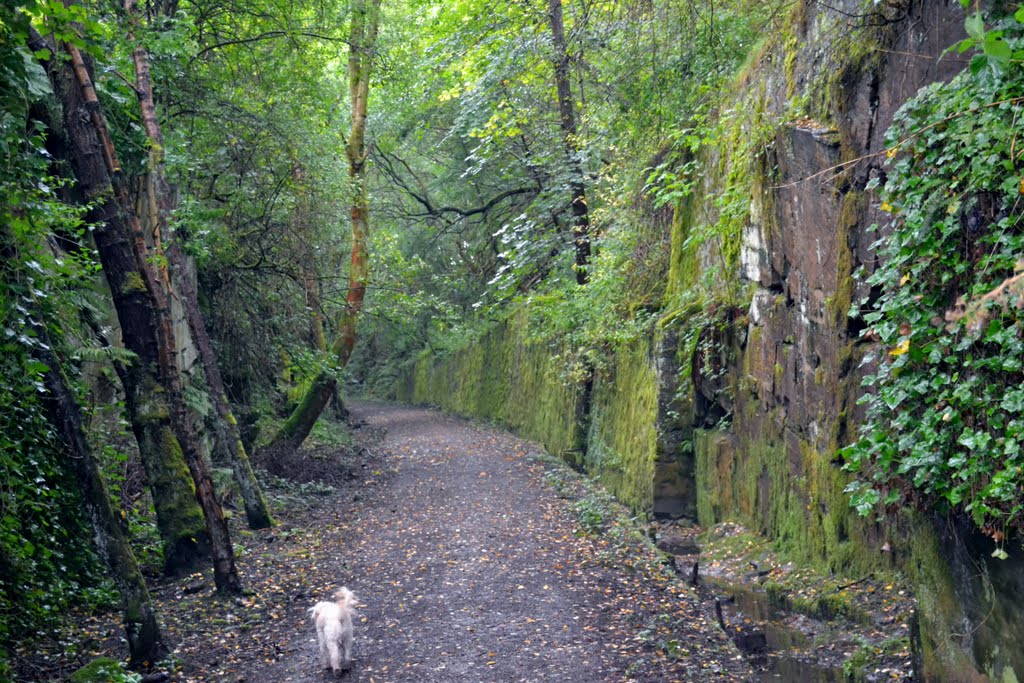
[362, 41]
[226, 426]
[567, 120]
[156, 402]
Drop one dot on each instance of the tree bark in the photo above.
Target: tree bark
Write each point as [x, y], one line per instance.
[226, 426]
[145, 645]
[567, 119]
[257, 513]
[179, 517]
[317, 336]
[362, 41]
[142, 309]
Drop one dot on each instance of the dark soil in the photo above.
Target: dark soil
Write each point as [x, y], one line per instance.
[475, 558]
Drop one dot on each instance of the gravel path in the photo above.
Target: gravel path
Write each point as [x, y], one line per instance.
[471, 562]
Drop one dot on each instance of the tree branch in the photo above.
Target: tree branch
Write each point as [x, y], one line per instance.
[268, 35]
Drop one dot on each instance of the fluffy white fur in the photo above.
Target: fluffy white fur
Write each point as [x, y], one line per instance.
[334, 629]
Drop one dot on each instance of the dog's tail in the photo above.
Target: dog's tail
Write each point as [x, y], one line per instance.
[346, 598]
[316, 610]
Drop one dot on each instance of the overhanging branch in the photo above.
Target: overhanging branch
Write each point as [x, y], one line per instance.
[417, 190]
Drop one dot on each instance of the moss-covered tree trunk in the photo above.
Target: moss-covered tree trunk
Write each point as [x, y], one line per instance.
[179, 517]
[156, 402]
[567, 119]
[226, 426]
[145, 645]
[362, 41]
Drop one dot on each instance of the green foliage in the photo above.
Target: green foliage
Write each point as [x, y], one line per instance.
[590, 512]
[42, 562]
[995, 45]
[587, 323]
[104, 670]
[494, 157]
[66, 23]
[675, 177]
[249, 101]
[945, 410]
[331, 433]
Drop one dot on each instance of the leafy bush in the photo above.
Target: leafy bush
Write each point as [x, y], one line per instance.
[945, 410]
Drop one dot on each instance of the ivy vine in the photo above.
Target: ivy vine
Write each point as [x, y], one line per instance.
[945, 405]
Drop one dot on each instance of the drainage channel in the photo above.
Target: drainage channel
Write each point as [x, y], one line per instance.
[780, 647]
[788, 638]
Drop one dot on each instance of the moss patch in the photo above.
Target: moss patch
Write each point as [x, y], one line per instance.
[789, 492]
[838, 306]
[102, 670]
[622, 440]
[132, 283]
[942, 653]
[507, 377]
[179, 517]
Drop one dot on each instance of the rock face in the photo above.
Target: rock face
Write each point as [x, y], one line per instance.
[798, 374]
[509, 378]
[738, 414]
[675, 493]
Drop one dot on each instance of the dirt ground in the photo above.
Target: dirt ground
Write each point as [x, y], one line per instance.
[474, 557]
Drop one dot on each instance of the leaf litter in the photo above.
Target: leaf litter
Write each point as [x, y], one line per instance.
[474, 557]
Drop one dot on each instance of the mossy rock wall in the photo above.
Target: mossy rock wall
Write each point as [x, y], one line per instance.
[633, 433]
[778, 225]
[821, 94]
[799, 503]
[506, 377]
[622, 439]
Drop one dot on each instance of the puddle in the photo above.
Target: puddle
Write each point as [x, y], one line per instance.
[792, 624]
[783, 647]
[782, 669]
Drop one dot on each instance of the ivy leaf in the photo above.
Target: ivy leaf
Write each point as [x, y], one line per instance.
[997, 49]
[978, 64]
[36, 83]
[35, 367]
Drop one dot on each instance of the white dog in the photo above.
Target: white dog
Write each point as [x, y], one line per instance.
[334, 629]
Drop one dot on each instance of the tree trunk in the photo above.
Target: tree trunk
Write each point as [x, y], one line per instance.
[142, 310]
[567, 118]
[362, 40]
[179, 517]
[145, 645]
[317, 335]
[256, 511]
